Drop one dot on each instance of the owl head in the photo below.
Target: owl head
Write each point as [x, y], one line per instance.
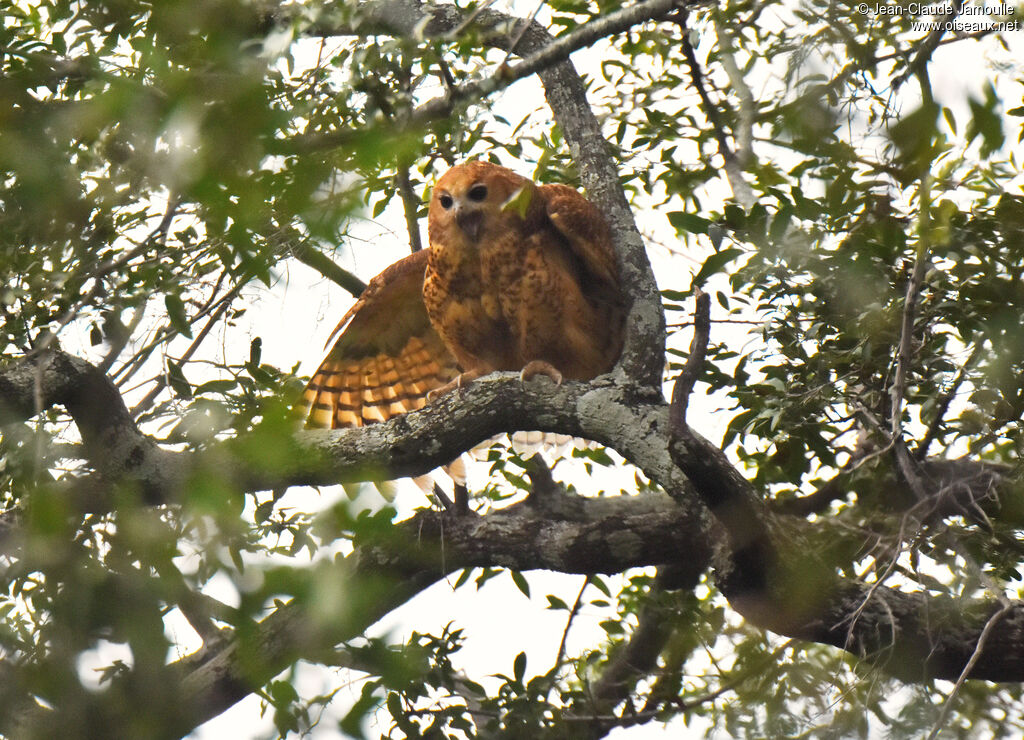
[471, 202]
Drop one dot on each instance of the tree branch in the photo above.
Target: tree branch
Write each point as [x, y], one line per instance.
[327, 267]
[905, 350]
[733, 166]
[638, 657]
[599, 537]
[539, 52]
[112, 442]
[410, 206]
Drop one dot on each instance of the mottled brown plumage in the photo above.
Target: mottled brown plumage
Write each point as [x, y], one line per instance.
[520, 276]
[517, 277]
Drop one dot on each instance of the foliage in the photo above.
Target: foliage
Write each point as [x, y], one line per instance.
[163, 163]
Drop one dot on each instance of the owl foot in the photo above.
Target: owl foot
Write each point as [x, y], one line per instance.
[540, 367]
[460, 380]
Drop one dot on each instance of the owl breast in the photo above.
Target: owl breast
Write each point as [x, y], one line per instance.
[466, 310]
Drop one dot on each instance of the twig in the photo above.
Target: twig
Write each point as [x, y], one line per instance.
[543, 484]
[446, 503]
[731, 682]
[131, 366]
[638, 657]
[568, 623]
[118, 344]
[905, 351]
[940, 412]
[833, 489]
[446, 74]
[47, 337]
[410, 205]
[461, 493]
[733, 166]
[683, 386]
[743, 132]
[927, 48]
[745, 322]
[327, 267]
[469, 19]
[879, 582]
[947, 705]
[522, 32]
[161, 381]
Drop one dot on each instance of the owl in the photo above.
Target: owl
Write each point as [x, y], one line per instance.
[518, 277]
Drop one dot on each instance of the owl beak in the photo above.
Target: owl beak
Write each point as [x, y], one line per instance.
[471, 223]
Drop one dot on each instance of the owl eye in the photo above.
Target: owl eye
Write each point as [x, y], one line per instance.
[446, 201]
[478, 193]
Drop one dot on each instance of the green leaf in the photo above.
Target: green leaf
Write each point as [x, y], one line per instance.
[176, 314]
[675, 295]
[519, 667]
[688, 222]
[255, 351]
[216, 386]
[598, 583]
[520, 580]
[282, 692]
[950, 119]
[612, 627]
[914, 135]
[519, 202]
[486, 574]
[236, 558]
[987, 122]
[263, 511]
[351, 723]
[394, 702]
[556, 603]
[714, 264]
[176, 379]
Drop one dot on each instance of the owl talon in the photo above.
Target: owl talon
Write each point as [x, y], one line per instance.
[539, 367]
[463, 379]
[438, 392]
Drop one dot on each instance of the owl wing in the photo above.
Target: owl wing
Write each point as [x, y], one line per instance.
[386, 357]
[584, 227]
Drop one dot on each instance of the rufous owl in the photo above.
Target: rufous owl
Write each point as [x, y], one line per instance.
[518, 276]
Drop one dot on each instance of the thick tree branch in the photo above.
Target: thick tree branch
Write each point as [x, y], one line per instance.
[631, 418]
[687, 379]
[112, 442]
[599, 536]
[765, 561]
[916, 636]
